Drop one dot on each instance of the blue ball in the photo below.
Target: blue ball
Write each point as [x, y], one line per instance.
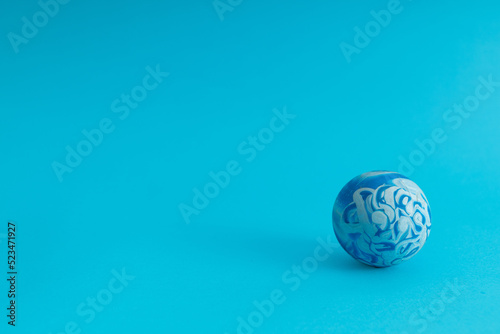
[381, 218]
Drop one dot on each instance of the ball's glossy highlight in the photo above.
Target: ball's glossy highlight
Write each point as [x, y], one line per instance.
[381, 218]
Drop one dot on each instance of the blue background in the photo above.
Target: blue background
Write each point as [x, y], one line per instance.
[120, 207]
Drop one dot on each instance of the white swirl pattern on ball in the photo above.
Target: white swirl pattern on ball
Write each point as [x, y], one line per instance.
[391, 222]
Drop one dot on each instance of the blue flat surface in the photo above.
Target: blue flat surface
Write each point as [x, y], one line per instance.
[124, 230]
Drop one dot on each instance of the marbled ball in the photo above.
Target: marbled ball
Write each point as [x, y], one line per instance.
[381, 218]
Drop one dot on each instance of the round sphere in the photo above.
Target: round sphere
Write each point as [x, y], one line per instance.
[381, 218]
